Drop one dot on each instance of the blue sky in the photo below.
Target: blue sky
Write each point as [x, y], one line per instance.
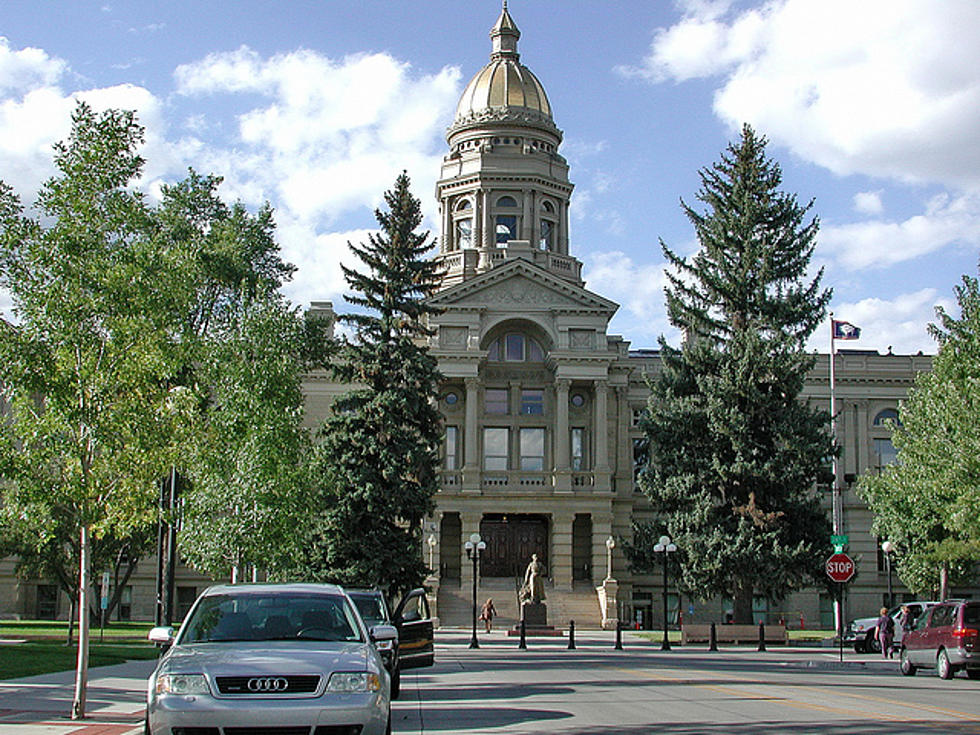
[872, 109]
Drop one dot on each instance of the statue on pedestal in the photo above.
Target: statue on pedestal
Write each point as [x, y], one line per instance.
[533, 589]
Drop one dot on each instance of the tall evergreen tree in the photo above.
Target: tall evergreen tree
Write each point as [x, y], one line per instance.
[928, 502]
[734, 454]
[379, 451]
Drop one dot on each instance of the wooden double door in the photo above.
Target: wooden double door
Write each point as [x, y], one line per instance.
[511, 539]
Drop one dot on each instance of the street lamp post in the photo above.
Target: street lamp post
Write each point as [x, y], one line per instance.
[431, 541]
[665, 547]
[474, 549]
[610, 545]
[888, 547]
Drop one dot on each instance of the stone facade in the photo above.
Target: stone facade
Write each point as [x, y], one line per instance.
[541, 402]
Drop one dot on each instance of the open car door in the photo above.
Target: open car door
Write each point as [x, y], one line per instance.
[415, 634]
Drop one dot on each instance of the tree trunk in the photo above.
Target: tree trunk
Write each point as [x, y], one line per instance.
[81, 672]
[944, 581]
[742, 603]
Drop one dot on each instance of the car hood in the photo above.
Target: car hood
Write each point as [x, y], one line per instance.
[863, 623]
[269, 657]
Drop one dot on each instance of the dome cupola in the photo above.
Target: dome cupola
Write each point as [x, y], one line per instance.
[504, 89]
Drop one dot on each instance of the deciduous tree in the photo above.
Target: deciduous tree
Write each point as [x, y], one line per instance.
[928, 502]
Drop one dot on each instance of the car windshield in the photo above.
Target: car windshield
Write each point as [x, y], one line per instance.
[266, 616]
[371, 608]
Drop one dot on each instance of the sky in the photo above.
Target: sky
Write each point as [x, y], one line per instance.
[871, 108]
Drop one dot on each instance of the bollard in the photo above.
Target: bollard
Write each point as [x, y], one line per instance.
[762, 636]
[619, 636]
[571, 635]
[523, 643]
[713, 639]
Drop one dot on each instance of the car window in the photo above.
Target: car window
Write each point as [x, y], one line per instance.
[416, 608]
[921, 621]
[971, 614]
[941, 616]
[270, 616]
[371, 608]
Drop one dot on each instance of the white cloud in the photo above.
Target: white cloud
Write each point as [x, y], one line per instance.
[881, 87]
[878, 243]
[326, 137]
[637, 287]
[868, 202]
[899, 323]
[21, 71]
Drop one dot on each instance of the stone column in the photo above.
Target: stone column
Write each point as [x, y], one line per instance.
[448, 233]
[479, 208]
[471, 440]
[624, 445]
[489, 235]
[561, 550]
[599, 425]
[562, 472]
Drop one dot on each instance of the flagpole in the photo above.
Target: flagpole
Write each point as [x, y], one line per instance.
[835, 491]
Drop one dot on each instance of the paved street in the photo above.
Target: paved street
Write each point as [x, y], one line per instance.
[641, 690]
[593, 689]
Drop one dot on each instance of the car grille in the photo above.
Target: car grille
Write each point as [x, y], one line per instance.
[294, 685]
[281, 730]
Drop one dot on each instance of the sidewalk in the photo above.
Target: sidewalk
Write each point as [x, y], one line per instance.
[41, 705]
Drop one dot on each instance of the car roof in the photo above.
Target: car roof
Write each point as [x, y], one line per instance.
[266, 589]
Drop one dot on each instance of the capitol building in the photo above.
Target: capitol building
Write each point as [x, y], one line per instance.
[541, 403]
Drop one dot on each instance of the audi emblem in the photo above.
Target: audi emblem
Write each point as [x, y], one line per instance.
[268, 684]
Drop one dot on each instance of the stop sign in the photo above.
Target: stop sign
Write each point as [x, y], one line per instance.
[840, 567]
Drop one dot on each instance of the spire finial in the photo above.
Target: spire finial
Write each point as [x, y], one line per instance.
[505, 34]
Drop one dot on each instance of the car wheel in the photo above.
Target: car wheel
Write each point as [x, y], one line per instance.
[973, 673]
[396, 684]
[908, 668]
[943, 666]
[871, 644]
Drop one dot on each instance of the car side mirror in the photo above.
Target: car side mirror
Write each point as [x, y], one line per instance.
[163, 636]
[382, 633]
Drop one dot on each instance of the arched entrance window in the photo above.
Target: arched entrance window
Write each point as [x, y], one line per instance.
[548, 226]
[463, 226]
[506, 220]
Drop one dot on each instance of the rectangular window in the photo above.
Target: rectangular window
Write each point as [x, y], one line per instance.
[514, 350]
[641, 454]
[495, 448]
[125, 611]
[452, 447]
[578, 449]
[506, 228]
[464, 234]
[532, 402]
[495, 400]
[532, 450]
[885, 453]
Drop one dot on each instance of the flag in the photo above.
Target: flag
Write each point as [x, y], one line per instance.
[845, 330]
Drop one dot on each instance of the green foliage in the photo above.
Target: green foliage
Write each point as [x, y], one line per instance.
[733, 454]
[379, 451]
[928, 502]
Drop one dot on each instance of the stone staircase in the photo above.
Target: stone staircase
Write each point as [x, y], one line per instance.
[580, 604]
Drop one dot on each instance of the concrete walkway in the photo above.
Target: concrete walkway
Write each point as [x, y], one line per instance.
[41, 705]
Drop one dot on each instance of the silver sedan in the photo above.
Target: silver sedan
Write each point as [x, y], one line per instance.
[292, 658]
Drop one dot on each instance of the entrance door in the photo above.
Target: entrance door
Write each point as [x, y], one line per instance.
[511, 539]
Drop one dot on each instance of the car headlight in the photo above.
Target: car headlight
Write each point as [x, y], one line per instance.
[182, 684]
[342, 681]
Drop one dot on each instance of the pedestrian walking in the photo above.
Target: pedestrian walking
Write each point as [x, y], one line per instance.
[885, 632]
[487, 612]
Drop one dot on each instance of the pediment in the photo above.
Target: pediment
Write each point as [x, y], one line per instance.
[522, 286]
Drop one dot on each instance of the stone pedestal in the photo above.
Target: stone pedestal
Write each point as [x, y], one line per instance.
[608, 603]
[534, 614]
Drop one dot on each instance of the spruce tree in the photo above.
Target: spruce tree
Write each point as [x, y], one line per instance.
[379, 452]
[733, 453]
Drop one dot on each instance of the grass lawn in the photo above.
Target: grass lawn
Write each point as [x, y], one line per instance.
[45, 650]
[45, 657]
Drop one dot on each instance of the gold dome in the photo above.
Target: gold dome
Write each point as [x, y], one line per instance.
[504, 88]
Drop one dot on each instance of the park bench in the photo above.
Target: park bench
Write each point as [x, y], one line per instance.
[737, 634]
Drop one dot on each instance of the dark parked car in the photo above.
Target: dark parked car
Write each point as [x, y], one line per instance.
[947, 637]
[270, 658]
[414, 647]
